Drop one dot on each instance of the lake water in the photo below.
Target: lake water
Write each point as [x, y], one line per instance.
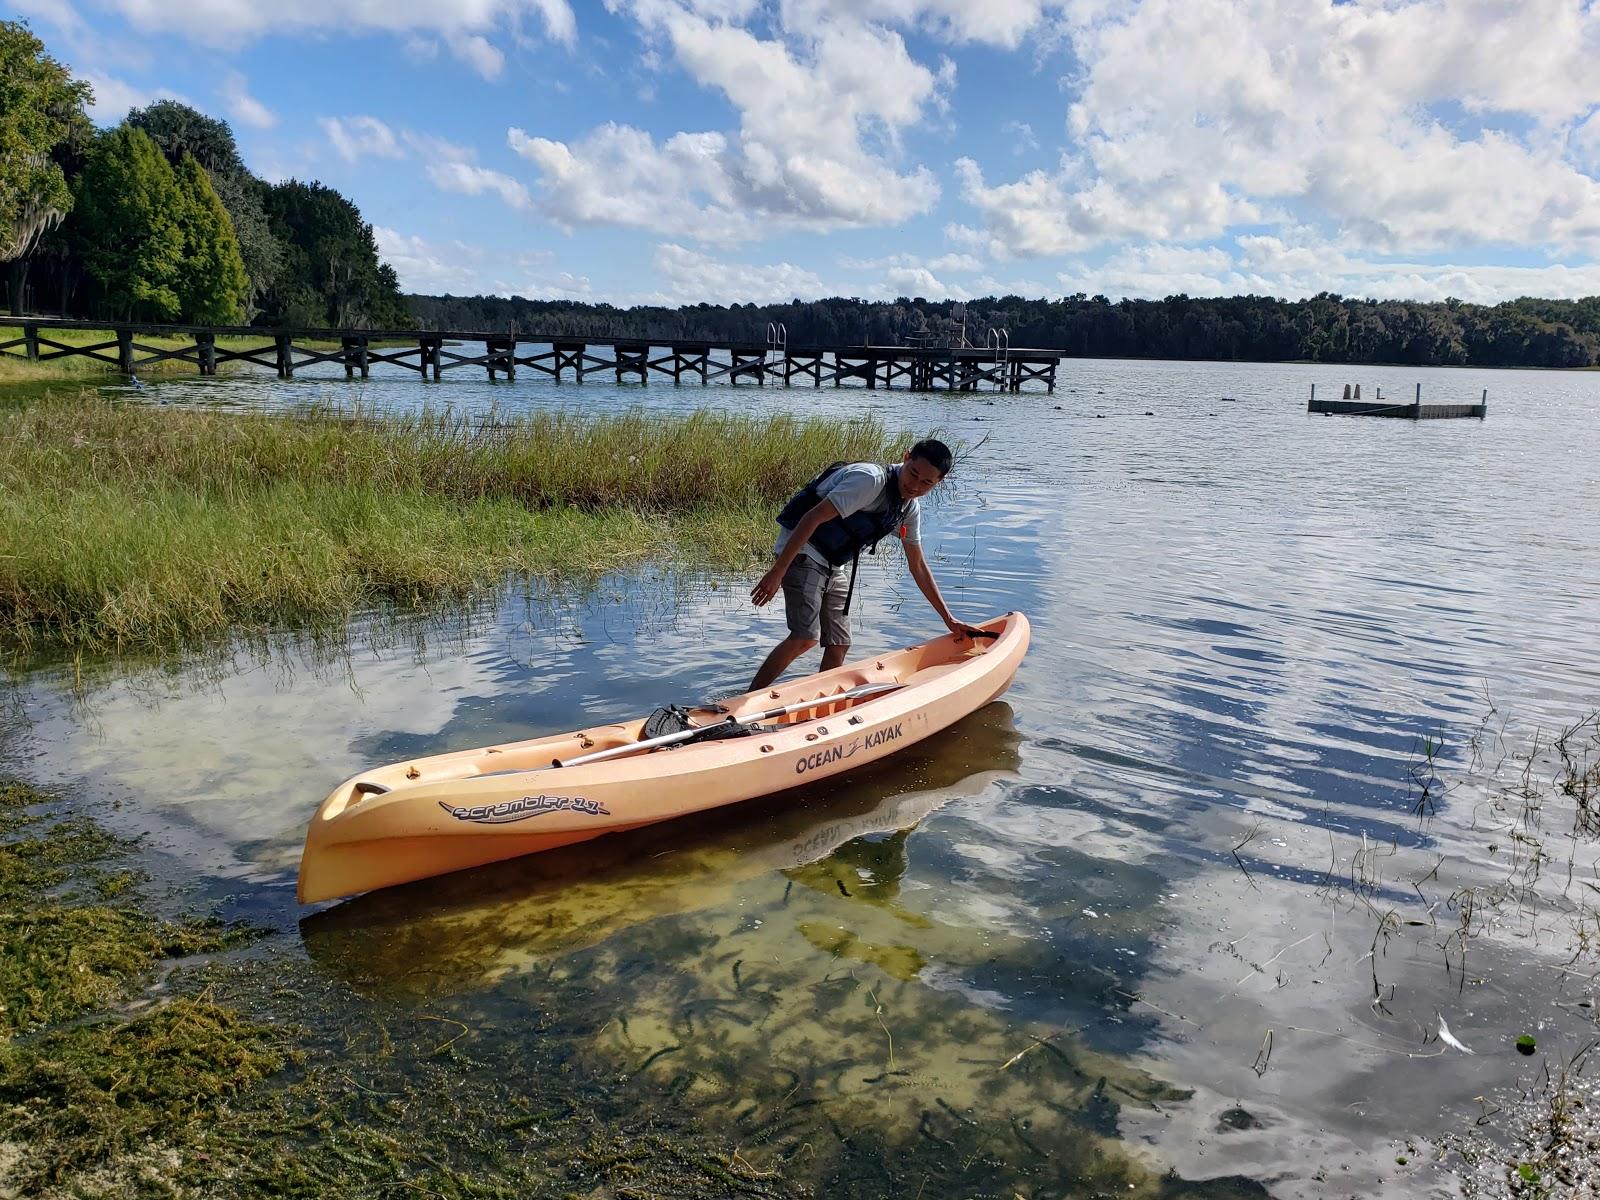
[1170, 905]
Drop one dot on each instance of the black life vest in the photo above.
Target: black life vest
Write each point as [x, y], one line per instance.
[839, 540]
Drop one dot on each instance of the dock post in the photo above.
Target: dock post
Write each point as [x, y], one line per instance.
[30, 335]
[362, 360]
[1416, 409]
[285, 356]
[206, 343]
[125, 350]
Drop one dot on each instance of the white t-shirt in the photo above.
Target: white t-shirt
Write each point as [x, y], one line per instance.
[859, 487]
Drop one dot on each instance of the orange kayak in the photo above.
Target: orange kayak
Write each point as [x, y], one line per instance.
[428, 816]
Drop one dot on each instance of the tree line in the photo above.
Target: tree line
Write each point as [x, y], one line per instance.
[159, 219]
[1324, 328]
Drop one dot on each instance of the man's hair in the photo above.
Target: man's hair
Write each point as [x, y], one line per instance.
[935, 453]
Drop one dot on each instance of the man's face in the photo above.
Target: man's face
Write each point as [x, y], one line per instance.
[917, 477]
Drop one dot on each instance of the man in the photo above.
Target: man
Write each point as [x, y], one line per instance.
[845, 510]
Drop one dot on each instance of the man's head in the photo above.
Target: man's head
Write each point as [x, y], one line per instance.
[924, 466]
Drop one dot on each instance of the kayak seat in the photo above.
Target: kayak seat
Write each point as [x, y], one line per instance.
[674, 719]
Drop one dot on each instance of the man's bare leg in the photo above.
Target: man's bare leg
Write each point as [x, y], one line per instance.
[833, 656]
[784, 653]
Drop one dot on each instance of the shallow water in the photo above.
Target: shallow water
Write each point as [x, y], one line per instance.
[1179, 869]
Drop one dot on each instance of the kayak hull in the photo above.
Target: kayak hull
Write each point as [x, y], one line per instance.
[429, 816]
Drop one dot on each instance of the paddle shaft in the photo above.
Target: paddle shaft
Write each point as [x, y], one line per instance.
[670, 739]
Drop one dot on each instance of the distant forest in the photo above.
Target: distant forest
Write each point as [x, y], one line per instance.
[1325, 328]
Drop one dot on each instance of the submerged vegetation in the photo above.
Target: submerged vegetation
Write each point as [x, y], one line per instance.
[130, 526]
[217, 1084]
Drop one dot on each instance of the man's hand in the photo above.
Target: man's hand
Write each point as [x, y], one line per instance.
[766, 587]
[958, 627]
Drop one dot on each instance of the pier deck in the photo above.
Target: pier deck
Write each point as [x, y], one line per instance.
[433, 353]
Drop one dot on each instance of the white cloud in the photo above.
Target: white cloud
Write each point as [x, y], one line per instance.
[559, 23]
[618, 175]
[821, 111]
[1583, 144]
[474, 50]
[361, 137]
[1002, 23]
[689, 276]
[429, 147]
[242, 106]
[470, 180]
[919, 281]
[1021, 135]
[1298, 266]
[1193, 117]
[113, 98]
[457, 268]
[943, 262]
[226, 22]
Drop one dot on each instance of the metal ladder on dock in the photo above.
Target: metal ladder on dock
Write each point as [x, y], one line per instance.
[1000, 341]
[777, 352]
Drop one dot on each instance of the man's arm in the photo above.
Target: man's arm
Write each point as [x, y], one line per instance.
[930, 589]
[767, 586]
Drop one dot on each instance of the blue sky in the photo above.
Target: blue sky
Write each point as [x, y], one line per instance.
[675, 151]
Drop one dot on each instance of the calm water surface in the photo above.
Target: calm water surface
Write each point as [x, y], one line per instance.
[1169, 905]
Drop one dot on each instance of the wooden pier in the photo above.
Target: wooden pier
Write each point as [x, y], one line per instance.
[1415, 411]
[433, 353]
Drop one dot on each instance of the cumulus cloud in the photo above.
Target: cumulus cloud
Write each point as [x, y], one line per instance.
[690, 276]
[356, 138]
[226, 22]
[1411, 126]
[471, 180]
[475, 50]
[457, 268]
[113, 98]
[1299, 265]
[619, 175]
[1002, 23]
[242, 106]
[942, 262]
[919, 281]
[822, 106]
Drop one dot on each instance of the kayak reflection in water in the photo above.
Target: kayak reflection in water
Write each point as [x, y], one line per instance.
[847, 508]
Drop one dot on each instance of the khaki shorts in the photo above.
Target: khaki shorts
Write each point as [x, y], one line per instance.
[813, 601]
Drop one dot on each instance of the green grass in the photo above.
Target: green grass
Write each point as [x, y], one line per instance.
[133, 527]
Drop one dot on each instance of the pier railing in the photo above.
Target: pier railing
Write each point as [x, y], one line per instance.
[997, 366]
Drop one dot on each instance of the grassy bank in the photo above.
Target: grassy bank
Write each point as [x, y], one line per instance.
[126, 526]
[15, 367]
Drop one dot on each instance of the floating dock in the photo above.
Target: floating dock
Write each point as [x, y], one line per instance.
[1415, 411]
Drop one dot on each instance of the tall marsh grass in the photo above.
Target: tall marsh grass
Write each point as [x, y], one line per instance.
[130, 526]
